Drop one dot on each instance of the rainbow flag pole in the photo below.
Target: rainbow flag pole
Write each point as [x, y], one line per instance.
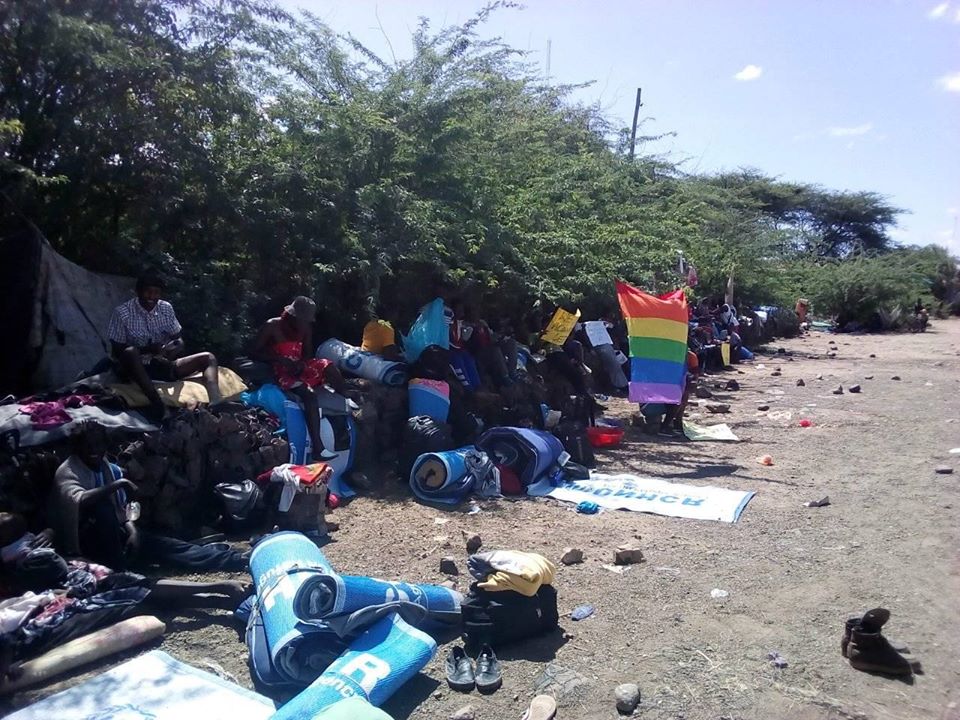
[658, 344]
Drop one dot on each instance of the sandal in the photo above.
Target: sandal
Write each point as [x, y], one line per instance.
[542, 707]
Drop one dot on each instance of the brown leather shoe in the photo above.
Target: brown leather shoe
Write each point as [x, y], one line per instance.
[871, 621]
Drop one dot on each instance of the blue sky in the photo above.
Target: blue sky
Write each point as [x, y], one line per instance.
[848, 94]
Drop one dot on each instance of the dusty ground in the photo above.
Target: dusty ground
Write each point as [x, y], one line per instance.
[890, 537]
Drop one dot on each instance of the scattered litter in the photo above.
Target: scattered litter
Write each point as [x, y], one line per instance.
[761, 366]
[822, 502]
[627, 555]
[853, 389]
[955, 451]
[588, 508]
[718, 594]
[765, 460]
[572, 556]
[776, 392]
[582, 612]
[618, 569]
[805, 423]
[628, 697]
[720, 432]
[473, 509]
[777, 660]
[781, 415]
[944, 470]
[928, 384]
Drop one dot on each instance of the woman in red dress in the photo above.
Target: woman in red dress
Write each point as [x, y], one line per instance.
[286, 342]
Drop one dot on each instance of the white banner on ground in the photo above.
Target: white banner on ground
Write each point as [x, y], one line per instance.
[640, 494]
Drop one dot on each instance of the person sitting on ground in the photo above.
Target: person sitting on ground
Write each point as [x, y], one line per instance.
[286, 342]
[146, 341]
[379, 335]
[92, 515]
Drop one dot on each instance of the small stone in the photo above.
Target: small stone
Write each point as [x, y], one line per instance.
[718, 407]
[872, 355]
[474, 543]
[801, 383]
[831, 354]
[628, 697]
[572, 556]
[718, 594]
[943, 470]
[465, 713]
[776, 373]
[703, 392]
[763, 408]
[819, 376]
[853, 389]
[895, 377]
[868, 377]
[838, 390]
[627, 555]
[733, 385]
[448, 566]
[438, 695]
[822, 502]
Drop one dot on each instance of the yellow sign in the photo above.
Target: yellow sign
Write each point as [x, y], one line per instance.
[725, 353]
[560, 327]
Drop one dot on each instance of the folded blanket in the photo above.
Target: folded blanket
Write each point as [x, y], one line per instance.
[347, 603]
[188, 392]
[511, 570]
[375, 666]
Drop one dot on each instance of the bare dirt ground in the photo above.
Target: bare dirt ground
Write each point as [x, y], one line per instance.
[889, 537]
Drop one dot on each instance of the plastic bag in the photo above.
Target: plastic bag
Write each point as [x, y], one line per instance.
[429, 329]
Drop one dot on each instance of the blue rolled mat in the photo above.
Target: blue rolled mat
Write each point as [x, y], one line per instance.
[442, 477]
[347, 602]
[375, 666]
[363, 364]
[283, 650]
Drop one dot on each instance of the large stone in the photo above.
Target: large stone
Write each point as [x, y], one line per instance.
[628, 697]
[448, 566]
[572, 556]
[465, 713]
[627, 555]
[474, 543]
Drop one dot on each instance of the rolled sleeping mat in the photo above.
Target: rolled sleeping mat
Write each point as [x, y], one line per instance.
[363, 364]
[301, 450]
[442, 477]
[377, 664]
[347, 602]
[430, 398]
[283, 650]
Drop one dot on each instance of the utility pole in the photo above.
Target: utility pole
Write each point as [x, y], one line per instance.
[633, 132]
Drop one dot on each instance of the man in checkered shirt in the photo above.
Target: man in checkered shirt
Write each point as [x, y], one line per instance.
[147, 343]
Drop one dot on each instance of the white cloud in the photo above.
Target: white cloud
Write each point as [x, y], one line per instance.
[939, 11]
[851, 131]
[749, 72]
[950, 83]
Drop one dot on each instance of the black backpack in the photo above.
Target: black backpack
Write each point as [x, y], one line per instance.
[422, 434]
[500, 618]
[573, 435]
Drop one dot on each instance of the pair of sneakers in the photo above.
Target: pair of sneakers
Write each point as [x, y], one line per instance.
[462, 676]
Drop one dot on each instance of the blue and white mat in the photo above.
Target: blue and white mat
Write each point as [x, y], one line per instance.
[365, 365]
[153, 686]
[376, 665]
[640, 494]
[347, 603]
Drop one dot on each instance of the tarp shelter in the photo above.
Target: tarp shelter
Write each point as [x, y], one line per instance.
[55, 313]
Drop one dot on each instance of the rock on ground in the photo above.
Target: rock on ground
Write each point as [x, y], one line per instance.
[448, 566]
[627, 555]
[465, 713]
[628, 697]
[572, 556]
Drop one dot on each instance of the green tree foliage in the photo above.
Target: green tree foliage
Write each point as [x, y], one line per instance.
[252, 156]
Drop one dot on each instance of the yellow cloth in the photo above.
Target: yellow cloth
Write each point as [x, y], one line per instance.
[560, 327]
[518, 571]
[188, 392]
[725, 353]
[377, 335]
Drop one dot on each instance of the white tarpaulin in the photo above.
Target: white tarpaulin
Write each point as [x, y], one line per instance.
[640, 494]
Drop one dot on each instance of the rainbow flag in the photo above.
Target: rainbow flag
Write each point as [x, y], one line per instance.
[658, 329]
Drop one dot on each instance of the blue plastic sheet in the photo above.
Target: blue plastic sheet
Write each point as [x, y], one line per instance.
[428, 329]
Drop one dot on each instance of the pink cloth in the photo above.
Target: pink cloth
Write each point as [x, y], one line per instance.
[46, 415]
